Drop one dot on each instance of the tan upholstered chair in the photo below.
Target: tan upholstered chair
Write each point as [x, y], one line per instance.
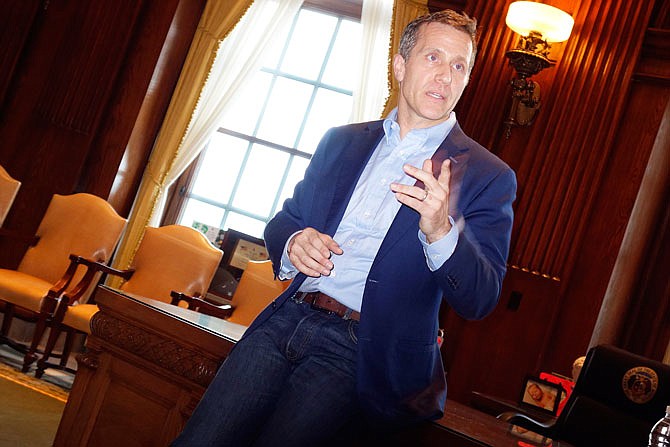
[257, 288]
[8, 189]
[78, 224]
[172, 257]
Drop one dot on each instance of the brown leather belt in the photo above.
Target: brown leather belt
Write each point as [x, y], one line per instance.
[325, 303]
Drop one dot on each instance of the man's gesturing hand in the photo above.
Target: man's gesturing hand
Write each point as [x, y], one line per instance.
[431, 201]
[310, 252]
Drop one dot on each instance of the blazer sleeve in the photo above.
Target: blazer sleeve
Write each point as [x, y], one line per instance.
[297, 211]
[471, 279]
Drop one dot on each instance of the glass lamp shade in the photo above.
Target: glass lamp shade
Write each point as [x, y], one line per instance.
[554, 25]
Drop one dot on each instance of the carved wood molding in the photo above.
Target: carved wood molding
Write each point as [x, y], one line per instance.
[153, 348]
[89, 359]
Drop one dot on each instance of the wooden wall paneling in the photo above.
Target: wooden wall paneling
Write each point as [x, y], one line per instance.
[494, 355]
[61, 91]
[75, 99]
[637, 130]
[87, 64]
[661, 14]
[483, 106]
[643, 130]
[582, 299]
[597, 57]
[550, 221]
[648, 332]
[16, 20]
[142, 91]
[439, 5]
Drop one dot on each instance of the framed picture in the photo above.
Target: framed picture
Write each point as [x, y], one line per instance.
[240, 248]
[540, 394]
[565, 383]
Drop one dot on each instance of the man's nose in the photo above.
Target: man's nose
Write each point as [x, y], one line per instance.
[443, 76]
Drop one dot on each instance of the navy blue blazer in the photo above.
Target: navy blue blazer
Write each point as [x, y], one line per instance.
[399, 371]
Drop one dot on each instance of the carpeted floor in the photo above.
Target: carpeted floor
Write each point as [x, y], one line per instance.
[30, 408]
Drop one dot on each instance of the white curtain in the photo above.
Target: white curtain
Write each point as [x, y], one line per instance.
[237, 57]
[372, 88]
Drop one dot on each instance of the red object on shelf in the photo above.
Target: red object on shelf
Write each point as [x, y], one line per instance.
[564, 383]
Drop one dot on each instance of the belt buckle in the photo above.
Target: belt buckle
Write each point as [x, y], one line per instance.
[322, 309]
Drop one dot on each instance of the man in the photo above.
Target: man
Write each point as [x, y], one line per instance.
[392, 217]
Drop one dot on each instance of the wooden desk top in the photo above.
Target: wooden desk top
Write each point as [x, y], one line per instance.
[107, 299]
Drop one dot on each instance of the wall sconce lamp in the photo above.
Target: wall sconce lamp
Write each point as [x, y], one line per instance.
[539, 26]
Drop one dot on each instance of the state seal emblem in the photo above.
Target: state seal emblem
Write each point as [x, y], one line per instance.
[639, 384]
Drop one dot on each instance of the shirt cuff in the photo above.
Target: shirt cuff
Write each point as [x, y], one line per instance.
[286, 268]
[438, 252]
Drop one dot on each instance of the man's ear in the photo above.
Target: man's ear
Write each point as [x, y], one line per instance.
[399, 67]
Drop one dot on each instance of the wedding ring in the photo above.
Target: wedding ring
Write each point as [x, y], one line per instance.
[425, 195]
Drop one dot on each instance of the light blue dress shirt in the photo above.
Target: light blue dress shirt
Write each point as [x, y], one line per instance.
[371, 211]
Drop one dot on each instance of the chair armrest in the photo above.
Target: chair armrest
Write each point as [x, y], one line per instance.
[100, 266]
[199, 305]
[29, 240]
[56, 295]
[92, 268]
[527, 422]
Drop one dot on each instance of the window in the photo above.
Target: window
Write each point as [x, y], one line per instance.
[267, 137]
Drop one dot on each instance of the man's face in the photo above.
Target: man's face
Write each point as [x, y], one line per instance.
[433, 77]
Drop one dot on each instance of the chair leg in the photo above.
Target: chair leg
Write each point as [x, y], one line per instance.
[67, 347]
[31, 356]
[54, 332]
[7, 319]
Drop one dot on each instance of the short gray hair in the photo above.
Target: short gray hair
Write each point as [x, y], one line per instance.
[457, 20]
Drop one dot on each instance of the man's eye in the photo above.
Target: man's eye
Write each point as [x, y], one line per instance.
[459, 67]
[432, 58]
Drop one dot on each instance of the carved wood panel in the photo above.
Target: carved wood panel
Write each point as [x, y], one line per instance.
[155, 348]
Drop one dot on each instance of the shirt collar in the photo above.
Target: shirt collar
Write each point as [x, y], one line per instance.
[431, 136]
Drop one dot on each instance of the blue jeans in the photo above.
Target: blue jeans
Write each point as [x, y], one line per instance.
[291, 382]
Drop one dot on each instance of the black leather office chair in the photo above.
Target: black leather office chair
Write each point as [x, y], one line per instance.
[617, 399]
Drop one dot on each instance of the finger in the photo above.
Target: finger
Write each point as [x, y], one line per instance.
[445, 174]
[310, 267]
[423, 175]
[311, 250]
[309, 261]
[428, 166]
[415, 194]
[330, 243]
